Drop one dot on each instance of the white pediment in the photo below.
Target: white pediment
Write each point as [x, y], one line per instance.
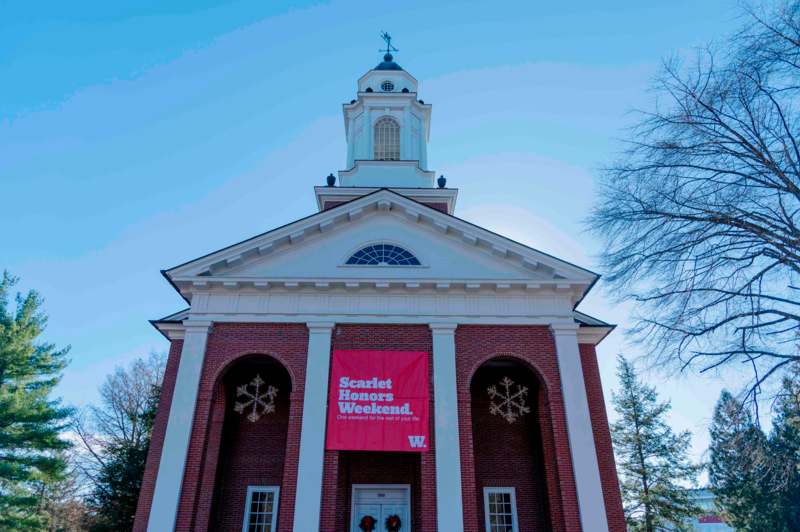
[324, 255]
[313, 252]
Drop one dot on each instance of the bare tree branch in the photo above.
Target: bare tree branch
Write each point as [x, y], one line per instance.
[700, 213]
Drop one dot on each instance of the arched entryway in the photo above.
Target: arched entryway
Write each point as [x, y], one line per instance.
[252, 446]
[510, 470]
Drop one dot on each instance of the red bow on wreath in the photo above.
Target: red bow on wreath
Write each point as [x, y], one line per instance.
[393, 523]
[367, 523]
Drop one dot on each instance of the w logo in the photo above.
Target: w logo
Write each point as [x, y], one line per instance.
[417, 442]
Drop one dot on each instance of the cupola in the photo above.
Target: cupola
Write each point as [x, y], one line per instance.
[387, 129]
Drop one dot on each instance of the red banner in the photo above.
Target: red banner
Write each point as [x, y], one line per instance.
[378, 401]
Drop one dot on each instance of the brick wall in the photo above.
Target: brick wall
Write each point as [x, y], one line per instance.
[509, 454]
[250, 453]
[533, 346]
[602, 439]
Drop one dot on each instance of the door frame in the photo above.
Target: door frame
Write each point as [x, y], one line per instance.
[406, 487]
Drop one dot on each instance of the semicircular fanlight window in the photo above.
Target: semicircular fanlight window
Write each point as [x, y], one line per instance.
[383, 255]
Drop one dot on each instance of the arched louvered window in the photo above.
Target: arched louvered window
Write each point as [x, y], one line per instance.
[387, 140]
[383, 255]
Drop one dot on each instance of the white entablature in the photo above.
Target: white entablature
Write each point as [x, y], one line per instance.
[300, 271]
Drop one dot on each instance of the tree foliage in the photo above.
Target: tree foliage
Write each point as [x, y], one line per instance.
[700, 213]
[757, 477]
[30, 420]
[652, 461]
[116, 438]
[737, 469]
[63, 502]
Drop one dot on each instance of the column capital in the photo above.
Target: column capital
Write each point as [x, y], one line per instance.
[197, 325]
[320, 326]
[567, 328]
[443, 328]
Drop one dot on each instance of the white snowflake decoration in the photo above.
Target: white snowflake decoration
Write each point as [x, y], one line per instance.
[511, 405]
[256, 399]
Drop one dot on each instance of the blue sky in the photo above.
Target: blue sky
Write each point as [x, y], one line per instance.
[135, 136]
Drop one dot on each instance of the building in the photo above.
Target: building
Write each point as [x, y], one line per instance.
[710, 519]
[381, 364]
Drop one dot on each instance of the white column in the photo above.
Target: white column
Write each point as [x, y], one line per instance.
[579, 426]
[406, 150]
[312, 433]
[449, 506]
[164, 508]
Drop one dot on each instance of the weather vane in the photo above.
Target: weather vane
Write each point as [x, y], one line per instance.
[389, 48]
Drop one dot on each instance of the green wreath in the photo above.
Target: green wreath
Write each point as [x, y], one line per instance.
[393, 523]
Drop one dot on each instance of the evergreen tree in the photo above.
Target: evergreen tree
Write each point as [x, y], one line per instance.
[784, 448]
[30, 421]
[757, 478]
[652, 461]
[738, 468]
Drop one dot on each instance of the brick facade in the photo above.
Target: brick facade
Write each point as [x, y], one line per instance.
[534, 347]
[509, 454]
[250, 453]
[534, 456]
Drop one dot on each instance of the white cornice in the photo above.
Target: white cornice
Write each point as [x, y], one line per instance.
[198, 284]
[421, 195]
[173, 331]
[592, 334]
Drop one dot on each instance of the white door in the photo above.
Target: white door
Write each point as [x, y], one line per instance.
[362, 510]
[380, 502]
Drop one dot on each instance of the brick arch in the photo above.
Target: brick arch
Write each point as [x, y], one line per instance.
[511, 454]
[544, 382]
[248, 452]
[220, 372]
[546, 428]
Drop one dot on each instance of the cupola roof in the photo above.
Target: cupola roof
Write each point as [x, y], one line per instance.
[388, 63]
